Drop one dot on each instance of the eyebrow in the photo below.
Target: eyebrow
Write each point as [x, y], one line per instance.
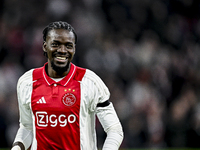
[60, 42]
[57, 41]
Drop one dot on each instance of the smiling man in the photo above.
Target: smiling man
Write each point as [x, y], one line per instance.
[59, 101]
[59, 47]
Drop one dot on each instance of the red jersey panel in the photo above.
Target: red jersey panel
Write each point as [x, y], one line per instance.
[56, 107]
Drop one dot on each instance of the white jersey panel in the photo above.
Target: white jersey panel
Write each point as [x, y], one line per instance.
[93, 91]
[24, 90]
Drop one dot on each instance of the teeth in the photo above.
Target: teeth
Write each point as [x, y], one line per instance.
[63, 58]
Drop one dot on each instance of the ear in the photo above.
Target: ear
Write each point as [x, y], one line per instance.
[44, 46]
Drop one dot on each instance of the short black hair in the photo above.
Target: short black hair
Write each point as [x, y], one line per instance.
[58, 25]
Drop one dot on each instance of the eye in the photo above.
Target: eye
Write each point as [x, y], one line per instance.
[69, 46]
[54, 44]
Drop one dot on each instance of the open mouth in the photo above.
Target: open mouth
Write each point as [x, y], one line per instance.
[61, 58]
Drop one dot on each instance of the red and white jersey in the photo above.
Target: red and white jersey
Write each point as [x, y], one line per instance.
[61, 115]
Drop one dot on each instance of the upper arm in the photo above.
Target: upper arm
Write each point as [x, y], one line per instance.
[97, 91]
[98, 94]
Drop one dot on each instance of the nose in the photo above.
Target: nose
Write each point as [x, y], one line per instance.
[62, 48]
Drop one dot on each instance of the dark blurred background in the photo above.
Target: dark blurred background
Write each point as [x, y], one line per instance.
[146, 51]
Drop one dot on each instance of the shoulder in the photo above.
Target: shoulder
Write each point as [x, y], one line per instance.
[95, 89]
[91, 76]
[92, 79]
[26, 78]
[24, 87]
[83, 74]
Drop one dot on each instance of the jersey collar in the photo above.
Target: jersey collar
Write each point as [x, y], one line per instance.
[62, 82]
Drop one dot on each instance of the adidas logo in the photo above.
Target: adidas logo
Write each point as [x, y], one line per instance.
[41, 101]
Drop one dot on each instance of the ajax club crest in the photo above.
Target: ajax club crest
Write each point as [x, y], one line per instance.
[69, 99]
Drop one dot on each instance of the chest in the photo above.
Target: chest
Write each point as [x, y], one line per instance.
[56, 105]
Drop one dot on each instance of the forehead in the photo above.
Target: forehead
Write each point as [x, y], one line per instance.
[60, 34]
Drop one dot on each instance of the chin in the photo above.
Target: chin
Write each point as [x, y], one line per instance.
[60, 69]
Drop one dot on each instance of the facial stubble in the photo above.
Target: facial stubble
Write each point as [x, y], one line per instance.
[59, 70]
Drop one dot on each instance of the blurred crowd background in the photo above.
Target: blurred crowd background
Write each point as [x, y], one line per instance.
[146, 51]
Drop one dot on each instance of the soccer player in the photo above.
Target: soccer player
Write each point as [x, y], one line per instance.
[59, 101]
